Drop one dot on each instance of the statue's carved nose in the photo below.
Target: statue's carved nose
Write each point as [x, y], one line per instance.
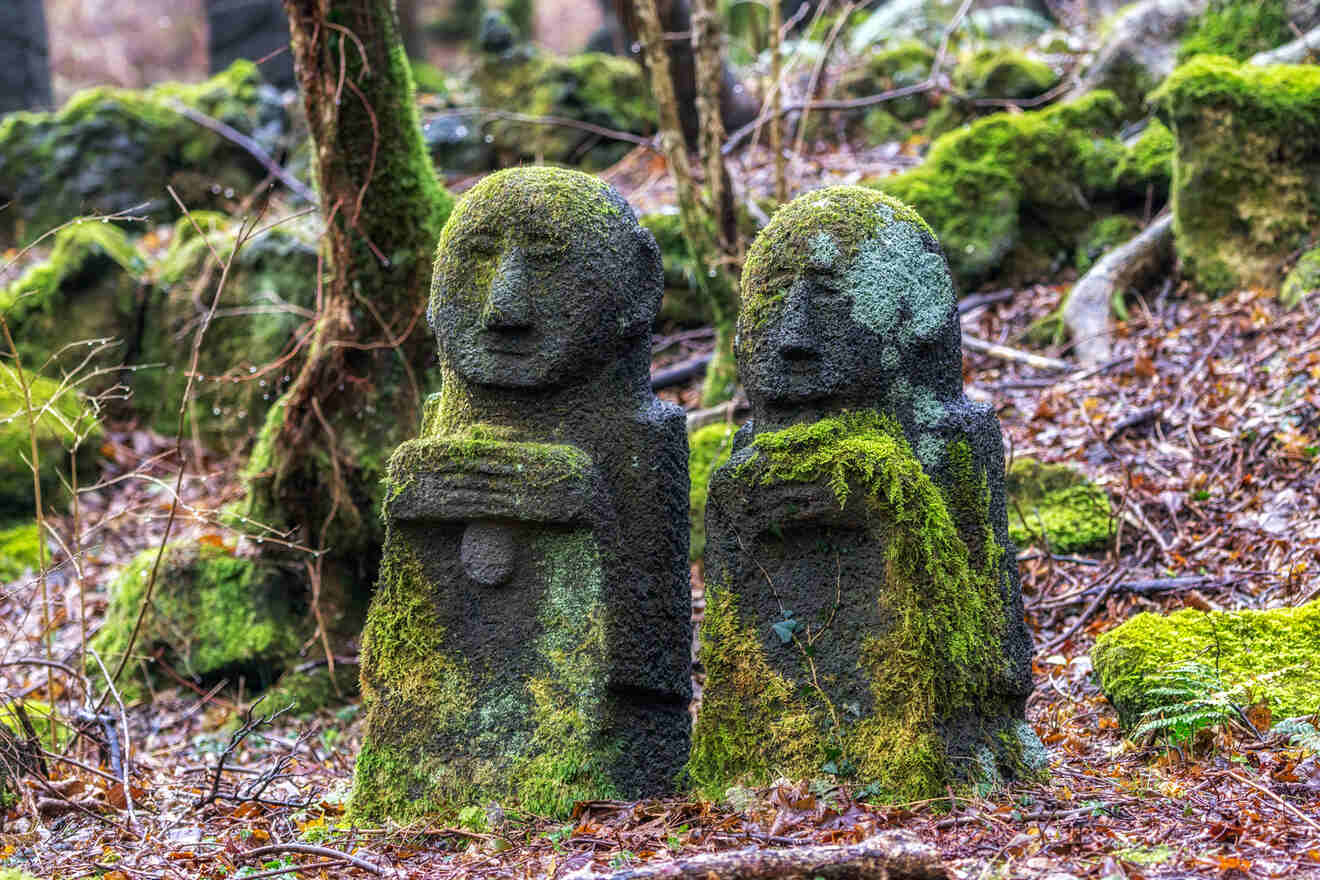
[796, 340]
[508, 307]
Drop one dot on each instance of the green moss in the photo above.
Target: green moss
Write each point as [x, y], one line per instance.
[1003, 193]
[1149, 162]
[708, 448]
[587, 87]
[904, 65]
[934, 664]
[518, 198]
[535, 744]
[1054, 502]
[19, 551]
[1103, 236]
[1237, 28]
[308, 691]
[1244, 188]
[211, 611]
[114, 149]
[40, 716]
[847, 217]
[1303, 281]
[1003, 73]
[61, 419]
[1270, 653]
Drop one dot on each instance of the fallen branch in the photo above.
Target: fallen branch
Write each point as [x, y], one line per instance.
[724, 412]
[1290, 53]
[253, 149]
[309, 850]
[1086, 311]
[889, 855]
[680, 372]
[1004, 353]
[560, 121]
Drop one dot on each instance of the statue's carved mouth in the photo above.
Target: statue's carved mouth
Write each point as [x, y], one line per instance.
[519, 344]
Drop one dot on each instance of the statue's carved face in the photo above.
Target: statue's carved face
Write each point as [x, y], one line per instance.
[529, 293]
[836, 311]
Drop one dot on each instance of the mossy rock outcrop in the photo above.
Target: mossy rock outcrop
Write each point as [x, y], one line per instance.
[1103, 236]
[1010, 195]
[110, 150]
[1246, 186]
[590, 87]
[1241, 28]
[1303, 281]
[1271, 655]
[62, 417]
[1054, 503]
[904, 65]
[99, 282]
[708, 449]
[18, 549]
[990, 74]
[212, 614]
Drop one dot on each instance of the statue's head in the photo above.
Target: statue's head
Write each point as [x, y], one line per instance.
[846, 296]
[543, 278]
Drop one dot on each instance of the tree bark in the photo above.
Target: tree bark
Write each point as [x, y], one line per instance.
[675, 16]
[317, 465]
[718, 282]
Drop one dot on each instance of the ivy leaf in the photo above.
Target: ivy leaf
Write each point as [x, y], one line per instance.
[785, 629]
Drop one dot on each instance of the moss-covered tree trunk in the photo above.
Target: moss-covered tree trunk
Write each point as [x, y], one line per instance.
[317, 465]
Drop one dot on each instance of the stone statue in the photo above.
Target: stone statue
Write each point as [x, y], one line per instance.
[529, 642]
[864, 617]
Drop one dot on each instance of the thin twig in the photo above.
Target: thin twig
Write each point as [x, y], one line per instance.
[307, 849]
[253, 149]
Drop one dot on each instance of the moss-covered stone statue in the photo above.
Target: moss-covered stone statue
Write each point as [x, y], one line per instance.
[529, 639]
[864, 618]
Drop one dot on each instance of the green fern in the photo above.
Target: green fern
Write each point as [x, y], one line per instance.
[1191, 697]
[1301, 732]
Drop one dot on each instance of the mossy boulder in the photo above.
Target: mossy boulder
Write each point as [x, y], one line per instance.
[1269, 654]
[989, 74]
[1246, 184]
[904, 65]
[1303, 281]
[309, 690]
[1238, 29]
[1054, 503]
[1103, 236]
[683, 302]
[591, 87]
[62, 419]
[1011, 194]
[101, 282]
[212, 614]
[110, 150]
[708, 449]
[19, 552]
[1148, 162]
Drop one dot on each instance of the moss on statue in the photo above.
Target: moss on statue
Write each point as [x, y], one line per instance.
[1055, 503]
[1002, 193]
[1302, 281]
[1244, 188]
[931, 666]
[548, 755]
[212, 612]
[1271, 654]
[708, 448]
[62, 417]
[842, 219]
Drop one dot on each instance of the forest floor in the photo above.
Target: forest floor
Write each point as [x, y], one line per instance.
[1203, 428]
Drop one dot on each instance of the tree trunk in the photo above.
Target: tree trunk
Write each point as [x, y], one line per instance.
[736, 104]
[317, 465]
